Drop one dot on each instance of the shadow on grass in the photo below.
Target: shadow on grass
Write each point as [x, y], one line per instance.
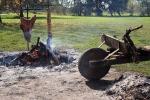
[112, 16]
[10, 27]
[72, 17]
[40, 17]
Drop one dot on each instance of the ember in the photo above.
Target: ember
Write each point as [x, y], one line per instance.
[40, 54]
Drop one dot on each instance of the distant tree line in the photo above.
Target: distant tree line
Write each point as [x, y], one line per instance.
[20, 6]
[79, 7]
[98, 7]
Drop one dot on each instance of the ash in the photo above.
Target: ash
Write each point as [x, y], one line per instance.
[65, 82]
[9, 75]
[131, 87]
[14, 58]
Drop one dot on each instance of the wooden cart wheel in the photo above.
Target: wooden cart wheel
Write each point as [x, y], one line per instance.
[98, 71]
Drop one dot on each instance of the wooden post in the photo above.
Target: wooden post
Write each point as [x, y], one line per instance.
[27, 8]
[27, 11]
[49, 40]
[49, 19]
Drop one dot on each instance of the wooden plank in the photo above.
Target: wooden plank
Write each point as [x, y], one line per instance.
[114, 43]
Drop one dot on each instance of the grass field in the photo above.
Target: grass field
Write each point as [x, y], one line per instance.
[80, 33]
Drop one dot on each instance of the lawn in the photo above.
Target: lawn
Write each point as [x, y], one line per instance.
[80, 33]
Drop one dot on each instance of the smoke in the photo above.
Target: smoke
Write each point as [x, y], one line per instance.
[50, 42]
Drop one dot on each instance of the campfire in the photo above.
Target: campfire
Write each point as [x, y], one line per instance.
[39, 54]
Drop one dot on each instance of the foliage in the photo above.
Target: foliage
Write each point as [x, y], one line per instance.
[145, 7]
[133, 6]
[117, 6]
[80, 7]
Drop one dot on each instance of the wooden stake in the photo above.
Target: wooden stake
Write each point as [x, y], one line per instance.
[49, 40]
[49, 20]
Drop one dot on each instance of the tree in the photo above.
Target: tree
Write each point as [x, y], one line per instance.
[90, 4]
[100, 6]
[2, 6]
[145, 7]
[19, 6]
[117, 6]
[63, 6]
[0, 17]
[77, 7]
[0, 20]
[133, 6]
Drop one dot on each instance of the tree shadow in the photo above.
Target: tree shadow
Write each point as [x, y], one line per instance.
[41, 17]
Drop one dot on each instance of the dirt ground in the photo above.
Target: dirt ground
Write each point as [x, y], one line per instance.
[45, 85]
[64, 82]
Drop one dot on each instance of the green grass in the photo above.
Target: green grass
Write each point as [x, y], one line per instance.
[142, 67]
[80, 33]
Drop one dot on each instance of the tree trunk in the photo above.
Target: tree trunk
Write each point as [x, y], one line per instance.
[147, 8]
[98, 8]
[0, 20]
[21, 12]
[99, 12]
[21, 9]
